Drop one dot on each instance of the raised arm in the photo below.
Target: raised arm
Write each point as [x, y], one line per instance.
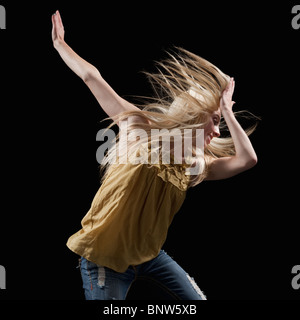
[245, 157]
[108, 99]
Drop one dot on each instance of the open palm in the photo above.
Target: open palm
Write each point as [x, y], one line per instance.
[58, 31]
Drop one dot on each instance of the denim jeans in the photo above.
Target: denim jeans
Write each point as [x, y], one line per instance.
[102, 283]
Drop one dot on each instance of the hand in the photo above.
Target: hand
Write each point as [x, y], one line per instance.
[58, 31]
[226, 102]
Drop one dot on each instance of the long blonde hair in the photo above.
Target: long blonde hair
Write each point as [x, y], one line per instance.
[188, 89]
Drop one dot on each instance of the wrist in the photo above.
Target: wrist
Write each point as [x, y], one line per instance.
[58, 43]
[227, 112]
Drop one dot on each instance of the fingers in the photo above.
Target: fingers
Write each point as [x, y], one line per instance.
[53, 19]
[59, 19]
[53, 27]
[56, 20]
[230, 86]
[228, 92]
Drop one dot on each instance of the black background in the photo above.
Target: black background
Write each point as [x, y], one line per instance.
[239, 237]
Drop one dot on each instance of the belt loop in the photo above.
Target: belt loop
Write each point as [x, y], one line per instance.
[79, 263]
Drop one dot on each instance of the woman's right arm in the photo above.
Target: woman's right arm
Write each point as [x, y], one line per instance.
[109, 100]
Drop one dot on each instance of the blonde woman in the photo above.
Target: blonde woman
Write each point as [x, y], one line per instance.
[123, 232]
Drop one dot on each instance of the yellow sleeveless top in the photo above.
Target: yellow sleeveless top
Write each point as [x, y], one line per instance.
[130, 215]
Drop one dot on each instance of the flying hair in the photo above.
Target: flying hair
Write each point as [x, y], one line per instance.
[187, 90]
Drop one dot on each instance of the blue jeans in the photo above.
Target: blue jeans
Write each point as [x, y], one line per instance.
[102, 283]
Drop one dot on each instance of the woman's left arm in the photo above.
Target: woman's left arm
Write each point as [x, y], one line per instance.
[245, 157]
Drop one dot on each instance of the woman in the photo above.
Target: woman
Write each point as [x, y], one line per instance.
[123, 232]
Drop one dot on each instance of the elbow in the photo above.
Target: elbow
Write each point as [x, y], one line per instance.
[251, 162]
[86, 77]
[90, 75]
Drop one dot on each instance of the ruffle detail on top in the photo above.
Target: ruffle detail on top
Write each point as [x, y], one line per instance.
[173, 172]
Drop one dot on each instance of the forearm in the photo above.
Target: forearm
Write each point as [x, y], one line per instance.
[243, 147]
[79, 66]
